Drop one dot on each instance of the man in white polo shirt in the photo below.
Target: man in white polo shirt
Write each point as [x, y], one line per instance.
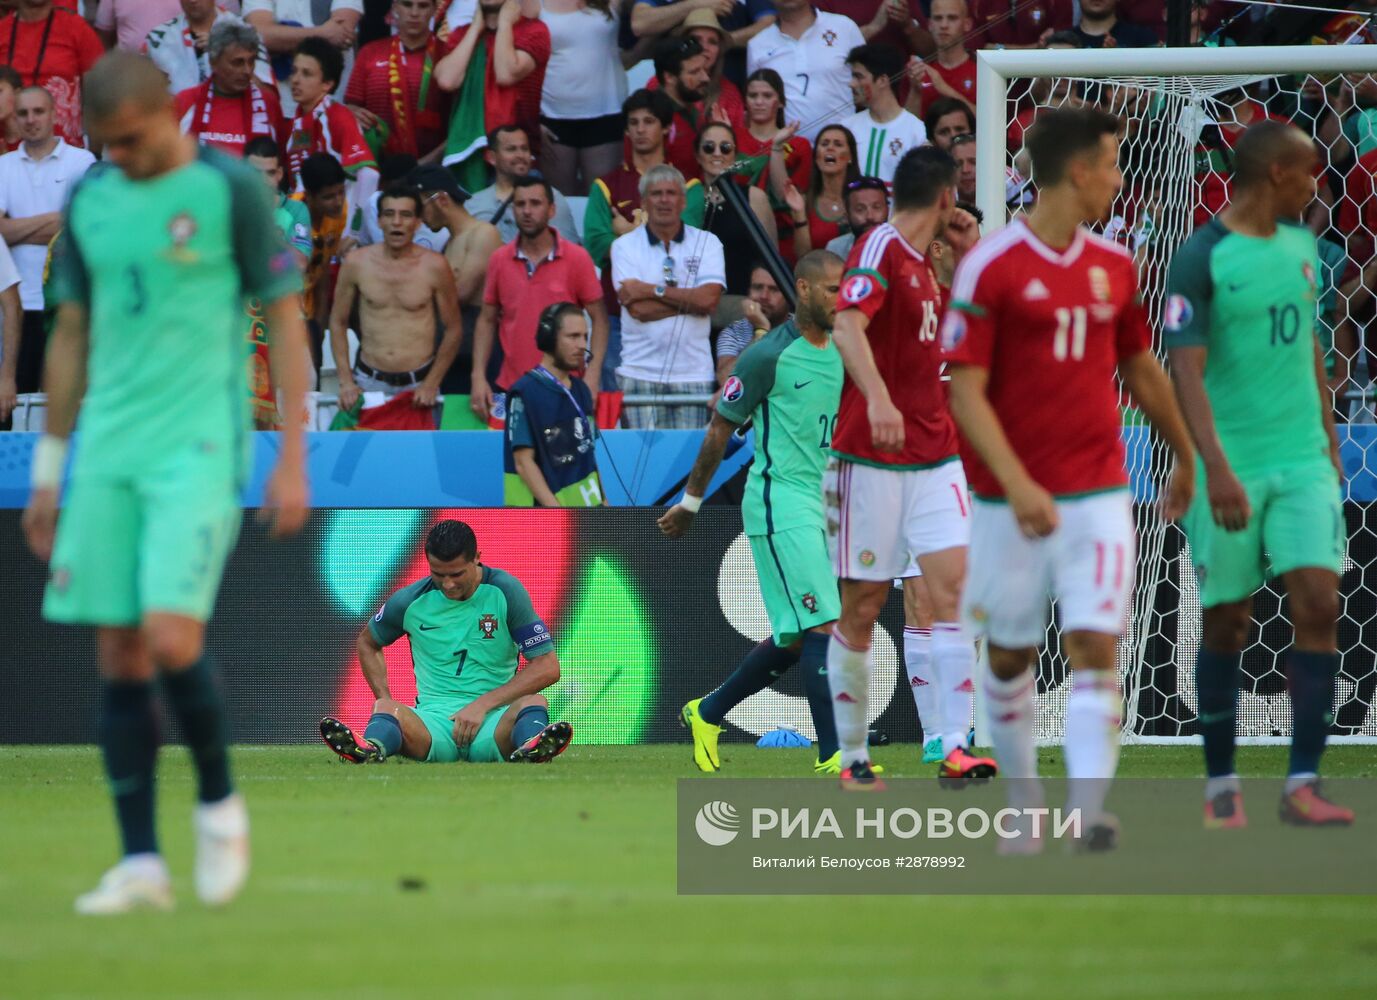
[35, 182]
[669, 278]
[10, 313]
[808, 48]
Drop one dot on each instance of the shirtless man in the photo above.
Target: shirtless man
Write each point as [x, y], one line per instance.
[471, 241]
[399, 286]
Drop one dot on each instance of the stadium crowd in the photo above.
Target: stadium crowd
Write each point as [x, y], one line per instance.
[490, 159]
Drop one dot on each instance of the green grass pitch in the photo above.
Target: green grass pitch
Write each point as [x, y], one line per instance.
[559, 881]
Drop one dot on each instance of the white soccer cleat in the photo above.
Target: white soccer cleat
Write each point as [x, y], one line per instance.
[222, 850]
[135, 883]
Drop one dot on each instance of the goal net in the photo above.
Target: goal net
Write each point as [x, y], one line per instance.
[1182, 110]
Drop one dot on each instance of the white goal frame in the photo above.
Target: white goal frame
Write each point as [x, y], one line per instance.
[995, 68]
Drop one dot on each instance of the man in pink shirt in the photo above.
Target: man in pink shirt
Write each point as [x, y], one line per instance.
[126, 23]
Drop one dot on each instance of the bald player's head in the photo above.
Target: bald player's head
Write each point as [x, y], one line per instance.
[815, 264]
[817, 279]
[1267, 144]
[122, 78]
[130, 113]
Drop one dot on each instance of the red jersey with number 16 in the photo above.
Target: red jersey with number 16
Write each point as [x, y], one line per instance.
[892, 284]
[1050, 327]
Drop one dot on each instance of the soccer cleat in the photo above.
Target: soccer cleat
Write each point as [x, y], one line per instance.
[222, 850]
[545, 745]
[932, 751]
[860, 777]
[704, 737]
[1102, 835]
[340, 738]
[1225, 812]
[1307, 807]
[832, 765]
[133, 884]
[961, 768]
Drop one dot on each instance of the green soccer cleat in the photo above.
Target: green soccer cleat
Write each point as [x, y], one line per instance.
[704, 737]
[932, 751]
[340, 738]
[832, 766]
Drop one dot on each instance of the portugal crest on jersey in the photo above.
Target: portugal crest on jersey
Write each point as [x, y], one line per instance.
[488, 626]
[810, 601]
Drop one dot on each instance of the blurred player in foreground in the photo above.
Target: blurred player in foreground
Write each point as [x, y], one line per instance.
[160, 249]
[897, 491]
[466, 623]
[1250, 378]
[787, 383]
[1043, 314]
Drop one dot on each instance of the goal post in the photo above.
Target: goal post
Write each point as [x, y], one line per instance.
[1177, 104]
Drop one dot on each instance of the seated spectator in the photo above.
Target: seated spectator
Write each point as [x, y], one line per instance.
[614, 204]
[322, 181]
[963, 151]
[392, 91]
[126, 23]
[765, 308]
[951, 73]
[400, 288]
[947, 118]
[721, 98]
[681, 71]
[867, 206]
[180, 47]
[669, 278]
[581, 107]
[883, 128]
[35, 182]
[742, 20]
[820, 215]
[504, 90]
[508, 152]
[323, 125]
[231, 108]
[1019, 26]
[1101, 27]
[537, 269]
[706, 207]
[900, 24]
[808, 49]
[549, 456]
[10, 86]
[285, 24]
[52, 47]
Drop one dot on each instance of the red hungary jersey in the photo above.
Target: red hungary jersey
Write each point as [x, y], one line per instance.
[1050, 327]
[893, 285]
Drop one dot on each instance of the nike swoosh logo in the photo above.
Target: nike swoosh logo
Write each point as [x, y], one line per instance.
[1237, 286]
[427, 628]
[800, 385]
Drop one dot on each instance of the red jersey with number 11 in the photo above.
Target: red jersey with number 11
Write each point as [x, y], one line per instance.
[1050, 327]
[893, 285]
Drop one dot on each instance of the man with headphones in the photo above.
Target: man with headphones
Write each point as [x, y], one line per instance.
[548, 458]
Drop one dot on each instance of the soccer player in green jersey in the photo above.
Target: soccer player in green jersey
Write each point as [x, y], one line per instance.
[160, 247]
[1248, 371]
[788, 383]
[467, 622]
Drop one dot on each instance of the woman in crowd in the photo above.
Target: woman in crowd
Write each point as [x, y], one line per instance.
[706, 208]
[820, 215]
[773, 155]
[585, 85]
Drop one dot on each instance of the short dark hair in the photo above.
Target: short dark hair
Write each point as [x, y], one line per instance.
[450, 540]
[264, 146]
[672, 52]
[1063, 37]
[1262, 145]
[758, 264]
[399, 189]
[972, 211]
[865, 184]
[496, 133]
[534, 180]
[396, 167]
[657, 102]
[320, 171]
[921, 177]
[883, 62]
[1060, 135]
[121, 77]
[944, 106]
[331, 62]
[775, 82]
[10, 75]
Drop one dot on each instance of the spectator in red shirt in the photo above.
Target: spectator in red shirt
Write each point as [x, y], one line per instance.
[535, 270]
[721, 98]
[947, 118]
[952, 72]
[1018, 26]
[819, 216]
[51, 48]
[231, 108]
[681, 69]
[393, 84]
[10, 86]
[511, 51]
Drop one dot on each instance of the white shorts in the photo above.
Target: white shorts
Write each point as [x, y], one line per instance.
[879, 521]
[1086, 565]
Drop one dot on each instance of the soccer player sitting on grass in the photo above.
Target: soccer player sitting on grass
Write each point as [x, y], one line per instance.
[466, 623]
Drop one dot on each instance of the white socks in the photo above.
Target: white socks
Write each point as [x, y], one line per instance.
[848, 677]
[1011, 736]
[1093, 714]
[921, 680]
[953, 661]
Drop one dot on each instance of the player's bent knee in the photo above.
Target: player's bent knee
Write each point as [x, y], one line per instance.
[173, 645]
[1006, 664]
[1226, 627]
[528, 701]
[124, 655]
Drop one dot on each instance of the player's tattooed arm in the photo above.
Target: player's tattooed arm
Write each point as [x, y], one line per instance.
[1228, 500]
[676, 521]
[1150, 388]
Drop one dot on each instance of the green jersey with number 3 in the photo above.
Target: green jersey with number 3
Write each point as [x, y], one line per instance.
[1253, 303]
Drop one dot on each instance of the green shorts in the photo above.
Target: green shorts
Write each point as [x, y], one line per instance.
[1297, 523]
[443, 749]
[797, 581]
[126, 547]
